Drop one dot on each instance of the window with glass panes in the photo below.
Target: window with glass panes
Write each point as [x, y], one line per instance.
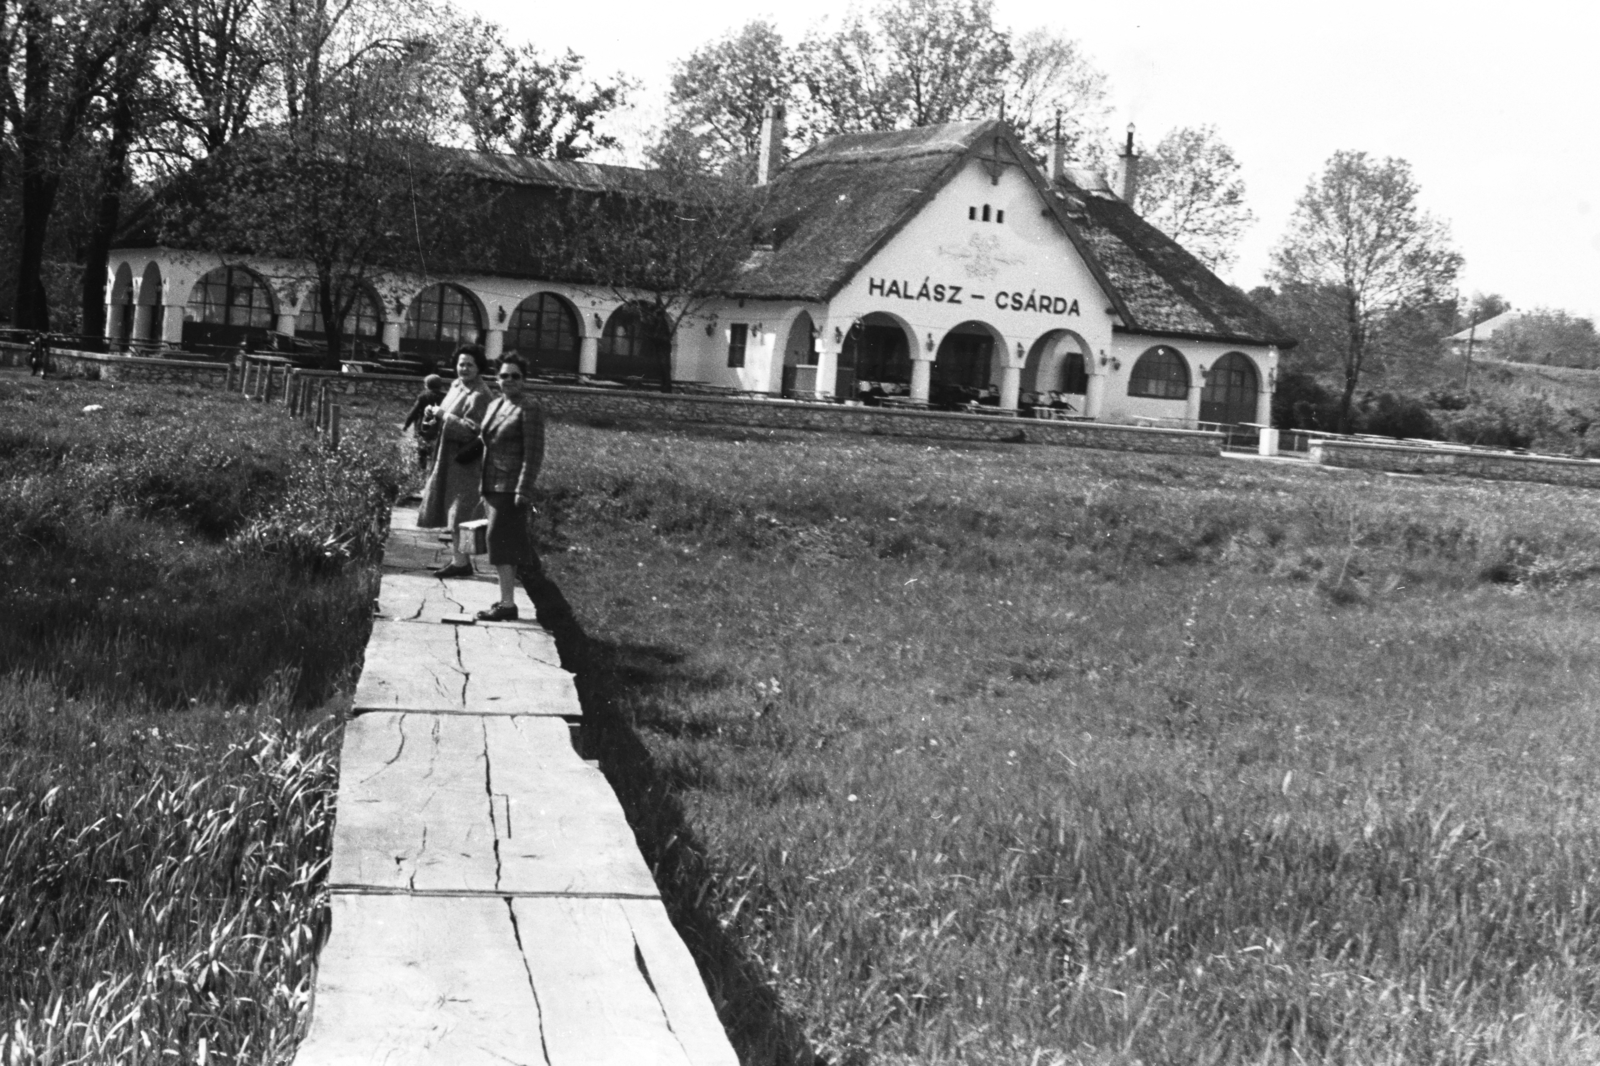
[545, 330]
[443, 314]
[738, 337]
[231, 296]
[1161, 374]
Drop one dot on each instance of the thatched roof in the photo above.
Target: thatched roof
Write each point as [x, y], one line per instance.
[835, 206]
[825, 216]
[832, 208]
[1161, 288]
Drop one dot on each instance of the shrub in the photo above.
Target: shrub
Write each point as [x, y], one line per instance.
[1392, 415]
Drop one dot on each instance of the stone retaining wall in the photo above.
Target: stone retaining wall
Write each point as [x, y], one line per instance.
[576, 402]
[1500, 466]
[93, 366]
[579, 403]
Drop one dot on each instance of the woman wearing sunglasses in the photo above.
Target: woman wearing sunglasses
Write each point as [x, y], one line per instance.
[513, 443]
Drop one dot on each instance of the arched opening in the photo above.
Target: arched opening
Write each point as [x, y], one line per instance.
[441, 319]
[360, 328]
[875, 360]
[1056, 373]
[147, 317]
[119, 310]
[799, 366]
[544, 329]
[1161, 373]
[229, 306]
[1229, 396]
[634, 346]
[963, 368]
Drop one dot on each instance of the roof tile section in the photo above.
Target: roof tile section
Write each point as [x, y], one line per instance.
[834, 206]
[1164, 288]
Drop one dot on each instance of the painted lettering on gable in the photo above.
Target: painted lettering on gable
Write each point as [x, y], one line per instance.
[1031, 301]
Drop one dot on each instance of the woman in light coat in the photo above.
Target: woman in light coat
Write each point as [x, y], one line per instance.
[451, 494]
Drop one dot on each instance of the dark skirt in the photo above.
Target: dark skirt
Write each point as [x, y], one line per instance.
[509, 542]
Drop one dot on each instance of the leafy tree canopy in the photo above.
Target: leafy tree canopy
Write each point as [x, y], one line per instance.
[1548, 336]
[1190, 188]
[1360, 239]
[518, 102]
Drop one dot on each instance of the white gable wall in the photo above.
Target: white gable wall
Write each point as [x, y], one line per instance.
[1019, 275]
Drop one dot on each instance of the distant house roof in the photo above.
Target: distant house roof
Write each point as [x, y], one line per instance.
[1485, 329]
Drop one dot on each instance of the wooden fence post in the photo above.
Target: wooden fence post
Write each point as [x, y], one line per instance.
[266, 390]
[333, 427]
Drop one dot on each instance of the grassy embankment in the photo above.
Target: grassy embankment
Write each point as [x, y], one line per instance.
[1035, 755]
[183, 593]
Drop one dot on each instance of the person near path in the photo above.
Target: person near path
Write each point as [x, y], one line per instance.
[451, 495]
[427, 429]
[513, 450]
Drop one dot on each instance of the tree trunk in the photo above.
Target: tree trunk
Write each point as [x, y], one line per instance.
[38, 202]
[114, 180]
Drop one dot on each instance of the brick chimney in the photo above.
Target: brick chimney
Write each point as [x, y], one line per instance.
[1128, 171]
[1058, 155]
[770, 152]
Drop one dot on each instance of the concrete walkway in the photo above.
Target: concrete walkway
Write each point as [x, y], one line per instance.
[490, 904]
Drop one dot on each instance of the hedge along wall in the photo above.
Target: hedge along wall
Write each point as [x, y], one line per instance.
[1501, 466]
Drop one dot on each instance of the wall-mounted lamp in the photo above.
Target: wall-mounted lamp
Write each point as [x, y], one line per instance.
[711, 327]
[1021, 354]
[599, 323]
[838, 335]
[1205, 372]
[930, 342]
[1272, 379]
[500, 313]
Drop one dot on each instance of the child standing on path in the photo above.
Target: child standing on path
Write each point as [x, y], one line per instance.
[427, 431]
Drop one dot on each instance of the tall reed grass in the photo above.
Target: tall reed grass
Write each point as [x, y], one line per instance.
[989, 754]
[186, 581]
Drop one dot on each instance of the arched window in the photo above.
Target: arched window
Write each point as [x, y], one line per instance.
[229, 306]
[1161, 373]
[545, 330]
[1229, 396]
[633, 346]
[231, 296]
[441, 319]
[364, 321]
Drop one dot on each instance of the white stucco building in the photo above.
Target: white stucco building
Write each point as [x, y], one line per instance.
[933, 265]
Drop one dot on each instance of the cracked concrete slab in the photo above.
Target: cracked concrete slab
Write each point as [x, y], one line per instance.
[463, 670]
[438, 803]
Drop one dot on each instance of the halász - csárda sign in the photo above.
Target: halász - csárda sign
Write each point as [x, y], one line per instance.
[1041, 303]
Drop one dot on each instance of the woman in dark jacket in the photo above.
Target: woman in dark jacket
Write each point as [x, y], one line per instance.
[513, 449]
[450, 495]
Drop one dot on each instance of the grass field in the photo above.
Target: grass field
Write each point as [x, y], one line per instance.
[186, 584]
[1033, 755]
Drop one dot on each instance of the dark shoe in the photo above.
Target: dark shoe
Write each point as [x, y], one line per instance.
[500, 612]
[454, 571]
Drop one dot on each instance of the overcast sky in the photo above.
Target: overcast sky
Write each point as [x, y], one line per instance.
[1498, 113]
